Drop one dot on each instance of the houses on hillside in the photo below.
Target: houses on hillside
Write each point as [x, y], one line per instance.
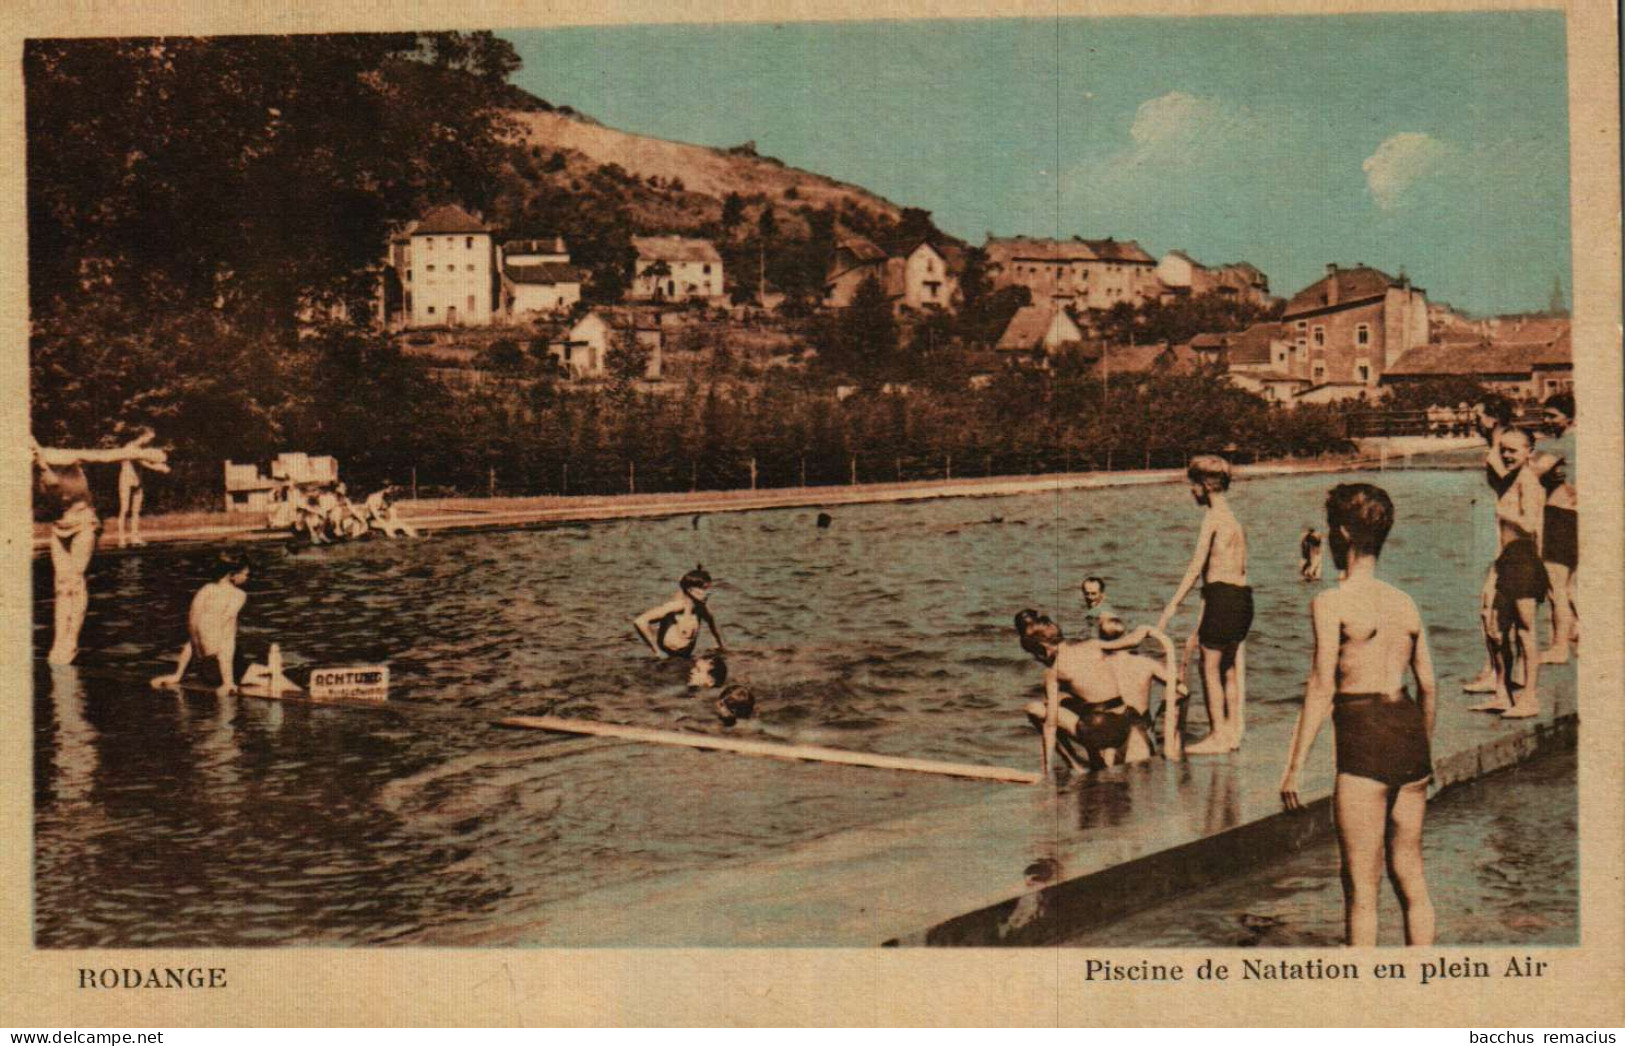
[1535, 369]
[676, 269]
[1082, 274]
[919, 275]
[1036, 333]
[1182, 275]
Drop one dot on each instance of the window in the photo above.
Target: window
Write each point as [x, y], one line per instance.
[408, 275]
[431, 310]
[471, 303]
[1362, 371]
[1303, 325]
[431, 268]
[1320, 336]
[706, 269]
[1303, 346]
[470, 266]
[450, 240]
[468, 243]
[429, 243]
[1362, 334]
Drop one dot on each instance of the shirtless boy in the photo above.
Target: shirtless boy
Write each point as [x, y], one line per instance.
[1220, 563]
[1309, 555]
[1518, 582]
[211, 625]
[1368, 635]
[1082, 701]
[672, 629]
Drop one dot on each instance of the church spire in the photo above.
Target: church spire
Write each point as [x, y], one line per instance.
[1559, 305]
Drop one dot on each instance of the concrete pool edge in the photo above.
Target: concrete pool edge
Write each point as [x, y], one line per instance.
[592, 509]
[1095, 849]
[1062, 909]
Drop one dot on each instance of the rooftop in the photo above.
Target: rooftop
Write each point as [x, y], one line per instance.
[1360, 283]
[448, 218]
[675, 249]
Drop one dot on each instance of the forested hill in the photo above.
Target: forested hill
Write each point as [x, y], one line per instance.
[597, 186]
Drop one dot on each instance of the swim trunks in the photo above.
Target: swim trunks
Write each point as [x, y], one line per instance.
[1560, 542]
[1102, 726]
[664, 625]
[1519, 573]
[1227, 614]
[1382, 737]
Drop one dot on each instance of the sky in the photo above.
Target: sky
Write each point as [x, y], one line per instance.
[1433, 143]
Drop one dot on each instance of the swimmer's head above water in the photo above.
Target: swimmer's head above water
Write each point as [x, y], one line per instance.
[736, 703]
[1208, 474]
[1094, 591]
[1358, 516]
[708, 670]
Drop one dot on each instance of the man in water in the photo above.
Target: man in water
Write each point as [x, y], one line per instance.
[1560, 551]
[1094, 602]
[1517, 583]
[672, 629]
[1082, 703]
[1309, 555]
[1220, 563]
[211, 625]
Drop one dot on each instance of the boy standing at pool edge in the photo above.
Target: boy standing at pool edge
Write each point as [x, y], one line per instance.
[1220, 562]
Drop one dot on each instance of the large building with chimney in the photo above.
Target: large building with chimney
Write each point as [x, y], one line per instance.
[1351, 325]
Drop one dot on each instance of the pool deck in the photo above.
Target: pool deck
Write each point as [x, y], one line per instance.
[1023, 865]
[501, 513]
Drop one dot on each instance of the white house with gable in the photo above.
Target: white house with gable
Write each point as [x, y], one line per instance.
[676, 268]
[444, 261]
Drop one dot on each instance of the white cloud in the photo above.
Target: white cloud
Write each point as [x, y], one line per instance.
[1180, 128]
[1401, 161]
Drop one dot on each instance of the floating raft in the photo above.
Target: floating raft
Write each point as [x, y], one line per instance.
[770, 749]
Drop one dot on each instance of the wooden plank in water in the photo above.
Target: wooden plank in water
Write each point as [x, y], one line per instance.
[770, 749]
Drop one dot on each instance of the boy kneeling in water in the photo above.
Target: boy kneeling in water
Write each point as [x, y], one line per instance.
[672, 629]
[211, 625]
[1093, 713]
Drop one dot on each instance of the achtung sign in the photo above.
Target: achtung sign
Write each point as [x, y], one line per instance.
[357, 683]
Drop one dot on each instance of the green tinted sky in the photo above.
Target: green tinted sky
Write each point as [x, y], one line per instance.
[1434, 142]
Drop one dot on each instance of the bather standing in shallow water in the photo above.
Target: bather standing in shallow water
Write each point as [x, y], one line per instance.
[63, 492]
[1368, 634]
[672, 629]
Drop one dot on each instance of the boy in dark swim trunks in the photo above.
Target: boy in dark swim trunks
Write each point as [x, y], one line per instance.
[1560, 551]
[1517, 583]
[1368, 635]
[672, 629]
[1092, 712]
[1220, 563]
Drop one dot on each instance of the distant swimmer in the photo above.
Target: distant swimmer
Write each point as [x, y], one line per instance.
[62, 492]
[130, 494]
[824, 520]
[1082, 704]
[1560, 551]
[1220, 563]
[708, 671]
[1368, 634]
[672, 629]
[211, 625]
[736, 702]
[1309, 553]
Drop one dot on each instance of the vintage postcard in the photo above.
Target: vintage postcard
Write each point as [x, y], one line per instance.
[812, 514]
